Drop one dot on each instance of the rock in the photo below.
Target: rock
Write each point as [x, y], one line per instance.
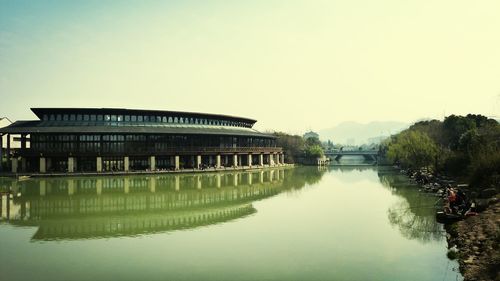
[469, 260]
[493, 201]
[488, 192]
[481, 204]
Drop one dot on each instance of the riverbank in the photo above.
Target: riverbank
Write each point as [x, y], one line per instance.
[477, 240]
[146, 172]
[473, 240]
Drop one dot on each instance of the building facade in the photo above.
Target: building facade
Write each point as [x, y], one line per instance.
[107, 140]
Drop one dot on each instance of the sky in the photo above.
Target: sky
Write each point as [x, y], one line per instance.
[292, 65]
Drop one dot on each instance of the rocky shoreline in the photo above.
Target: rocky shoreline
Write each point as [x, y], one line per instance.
[475, 240]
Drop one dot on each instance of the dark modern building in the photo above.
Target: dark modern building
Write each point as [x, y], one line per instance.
[101, 140]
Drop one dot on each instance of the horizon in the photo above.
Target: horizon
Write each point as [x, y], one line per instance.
[292, 66]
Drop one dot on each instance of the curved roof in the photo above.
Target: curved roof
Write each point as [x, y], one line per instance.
[29, 127]
[39, 112]
[103, 127]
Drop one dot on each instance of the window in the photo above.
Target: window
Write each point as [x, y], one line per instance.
[139, 118]
[107, 118]
[59, 117]
[86, 117]
[92, 117]
[100, 117]
[45, 117]
[79, 117]
[113, 118]
[133, 118]
[72, 117]
[127, 118]
[65, 117]
[164, 119]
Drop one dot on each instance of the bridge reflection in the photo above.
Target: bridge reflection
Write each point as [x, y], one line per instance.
[79, 208]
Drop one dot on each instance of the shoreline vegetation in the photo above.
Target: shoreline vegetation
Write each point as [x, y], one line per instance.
[463, 151]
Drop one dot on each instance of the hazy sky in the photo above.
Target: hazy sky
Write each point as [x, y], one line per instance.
[292, 65]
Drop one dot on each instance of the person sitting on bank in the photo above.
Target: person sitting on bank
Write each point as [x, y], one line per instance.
[451, 196]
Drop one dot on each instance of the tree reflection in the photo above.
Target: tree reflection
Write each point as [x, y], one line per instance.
[414, 213]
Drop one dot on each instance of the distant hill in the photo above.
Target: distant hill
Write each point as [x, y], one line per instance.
[354, 133]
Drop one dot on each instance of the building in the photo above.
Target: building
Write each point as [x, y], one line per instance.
[104, 140]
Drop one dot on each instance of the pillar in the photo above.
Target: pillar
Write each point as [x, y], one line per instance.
[71, 187]
[8, 149]
[1, 152]
[23, 164]
[98, 186]
[176, 162]
[235, 160]
[198, 182]
[177, 183]
[152, 163]
[249, 159]
[43, 165]
[218, 180]
[126, 164]
[152, 186]
[282, 158]
[23, 141]
[71, 164]
[43, 187]
[271, 160]
[126, 185]
[261, 159]
[235, 179]
[99, 164]
[14, 188]
[13, 165]
[198, 161]
[217, 161]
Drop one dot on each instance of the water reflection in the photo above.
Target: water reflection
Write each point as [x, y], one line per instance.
[95, 207]
[414, 213]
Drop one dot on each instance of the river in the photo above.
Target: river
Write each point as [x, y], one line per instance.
[305, 223]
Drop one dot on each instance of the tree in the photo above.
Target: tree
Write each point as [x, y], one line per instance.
[314, 151]
[293, 145]
[413, 149]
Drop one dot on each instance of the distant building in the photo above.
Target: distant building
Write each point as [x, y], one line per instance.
[376, 140]
[311, 134]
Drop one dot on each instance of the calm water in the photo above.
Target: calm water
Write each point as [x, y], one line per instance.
[342, 223]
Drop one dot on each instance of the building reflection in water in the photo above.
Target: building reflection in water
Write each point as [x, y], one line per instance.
[94, 207]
